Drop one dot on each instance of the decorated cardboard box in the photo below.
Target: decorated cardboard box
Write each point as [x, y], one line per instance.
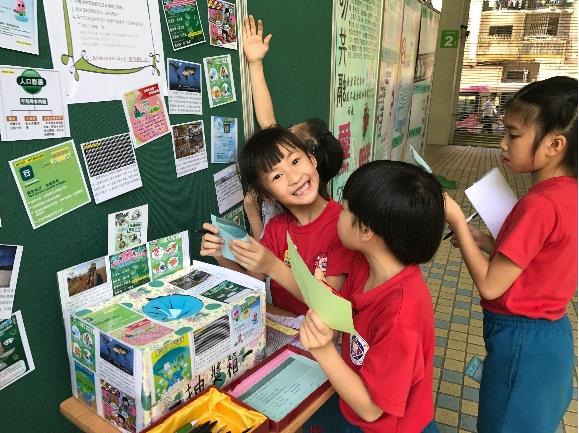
[137, 356]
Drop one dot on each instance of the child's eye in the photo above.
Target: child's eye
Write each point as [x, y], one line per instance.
[276, 177]
[296, 161]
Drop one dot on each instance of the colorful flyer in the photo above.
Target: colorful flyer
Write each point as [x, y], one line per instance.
[227, 292]
[222, 24]
[33, 104]
[183, 23]
[146, 114]
[50, 182]
[211, 342]
[167, 256]
[10, 256]
[112, 166]
[18, 25]
[83, 343]
[118, 408]
[129, 269]
[228, 188]
[223, 139]
[15, 356]
[189, 147]
[112, 317]
[116, 353]
[185, 94]
[219, 80]
[171, 365]
[141, 333]
[245, 320]
[236, 216]
[85, 385]
[128, 228]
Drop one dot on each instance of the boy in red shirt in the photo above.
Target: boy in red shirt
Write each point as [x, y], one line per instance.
[384, 373]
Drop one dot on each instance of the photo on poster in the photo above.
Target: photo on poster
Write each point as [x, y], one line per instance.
[19, 26]
[227, 292]
[112, 166]
[50, 182]
[118, 408]
[83, 343]
[219, 80]
[211, 343]
[183, 23]
[146, 114]
[171, 366]
[191, 280]
[223, 139]
[228, 188]
[141, 333]
[128, 228]
[86, 276]
[33, 104]
[236, 216]
[10, 256]
[222, 24]
[15, 356]
[246, 320]
[85, 385]
[129, 269]
[116, 353]
[189, 147]
[185, 81]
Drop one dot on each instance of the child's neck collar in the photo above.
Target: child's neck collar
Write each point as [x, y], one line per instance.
[308, 213]
[548, 173]
[383, 266]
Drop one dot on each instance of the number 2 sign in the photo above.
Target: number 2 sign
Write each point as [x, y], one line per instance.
[449, 38]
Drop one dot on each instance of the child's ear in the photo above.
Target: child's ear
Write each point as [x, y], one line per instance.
[365, 233]
[313, 160]
[556, 145]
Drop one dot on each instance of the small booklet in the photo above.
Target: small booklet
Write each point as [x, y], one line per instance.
[229, 231]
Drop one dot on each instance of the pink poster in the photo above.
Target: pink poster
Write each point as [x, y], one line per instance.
[146, 114]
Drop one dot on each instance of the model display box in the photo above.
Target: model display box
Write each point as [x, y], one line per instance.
[146, 351]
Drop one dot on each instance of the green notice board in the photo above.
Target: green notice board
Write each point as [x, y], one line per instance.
[298, 72]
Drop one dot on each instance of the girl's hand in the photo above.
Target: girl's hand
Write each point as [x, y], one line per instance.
[315, 334]
[211, 244]
[255, 46]
[452, 211]
[321, 277]
[483, 241]
[251, 204]
[253, 256]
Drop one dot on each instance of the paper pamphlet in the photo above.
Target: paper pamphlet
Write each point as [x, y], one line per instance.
[229, 232]
[15, 356]
[334, 311]
[10, 256]
[418, 159]
[493, 199]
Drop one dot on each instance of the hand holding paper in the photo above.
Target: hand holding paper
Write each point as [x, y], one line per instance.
[334, 311]
[229, 232]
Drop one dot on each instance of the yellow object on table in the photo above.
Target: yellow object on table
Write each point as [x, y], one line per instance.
[212, 406]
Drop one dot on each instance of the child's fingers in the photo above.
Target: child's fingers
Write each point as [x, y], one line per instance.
[251, 25]
[245, 28]
[248, 246]
[210, 228]
[259, 28]
[212, 239]
[316, 322]
[266, 40]
[319, 274]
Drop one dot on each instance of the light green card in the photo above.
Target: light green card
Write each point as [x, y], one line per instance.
[336, 312]
[421, 162]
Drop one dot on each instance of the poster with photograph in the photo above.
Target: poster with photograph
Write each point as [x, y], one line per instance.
[236, 216]
[222, 24]
[189, 147]
[185, 93]
[119, 408]
[141, 333]
[129, 269]
[50, 182]
[18, 25]
[168, 255]
[85, 385]
[183, 23]
[211, 342]
[83, 343]
[128, 228]
[112, 166]
[146, 114]
[33, 103]
[223, 139]
[219, 80]
[15, 356]
[171, 366]
[10, 256]
[228, 188]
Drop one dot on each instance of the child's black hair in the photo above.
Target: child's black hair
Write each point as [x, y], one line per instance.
[262, 152]
[401, 203]
[326, 149]
[551, 106]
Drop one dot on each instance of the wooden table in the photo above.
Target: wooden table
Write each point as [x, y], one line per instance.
[89, 422]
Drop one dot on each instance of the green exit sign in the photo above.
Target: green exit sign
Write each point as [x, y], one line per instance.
[449, 38]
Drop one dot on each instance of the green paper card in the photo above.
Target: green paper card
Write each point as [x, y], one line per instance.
[112, 317]
[129, 269]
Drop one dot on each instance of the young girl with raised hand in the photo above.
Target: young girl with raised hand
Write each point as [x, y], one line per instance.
[276, 164]
[531, 273]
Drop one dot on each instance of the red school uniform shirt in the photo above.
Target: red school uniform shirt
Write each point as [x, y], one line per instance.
[393, 348]
[318, 244]
[540, 236]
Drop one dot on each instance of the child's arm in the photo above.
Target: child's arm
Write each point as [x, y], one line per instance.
[255, 47]
[485, 242]
[253, 212]
[492, 277]
[316, 337]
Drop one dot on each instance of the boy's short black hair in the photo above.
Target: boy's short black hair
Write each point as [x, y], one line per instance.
[401, 203]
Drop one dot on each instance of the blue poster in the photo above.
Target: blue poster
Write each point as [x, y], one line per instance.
[223, 140]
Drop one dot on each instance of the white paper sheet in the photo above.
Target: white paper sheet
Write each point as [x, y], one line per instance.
[19, 25]
[10, 256]
[15, 356]
[228, 188]
[189, 148]
[128, 228]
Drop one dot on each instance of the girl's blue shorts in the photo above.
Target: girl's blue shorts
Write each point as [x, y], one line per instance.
[527, 375]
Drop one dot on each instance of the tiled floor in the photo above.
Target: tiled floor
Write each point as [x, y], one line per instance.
[456, 300]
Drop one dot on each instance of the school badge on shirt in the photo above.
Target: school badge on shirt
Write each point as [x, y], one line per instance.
[358, 349]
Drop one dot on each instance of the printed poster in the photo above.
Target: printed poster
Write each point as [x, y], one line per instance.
[183, 23]
[105, 47]
[112, 166]
[236, 216]
[219, 80]
[129, 269]
[189, 148]
[85, 385]
[128, 228]
[222, 24]
[141, 333]
[185, 94]
[15, 356]
[50, 182]
[112, 317]
[227, 292]
[211, 342]
[223, 139]
[388, 78]
[355, 59]
[10, 256]
[83, 343]
[245, 320]
[167, 255]
[18, 25]
[118, 407]
[228, 188]
[171, 366]
[146, 114]
[33, 104]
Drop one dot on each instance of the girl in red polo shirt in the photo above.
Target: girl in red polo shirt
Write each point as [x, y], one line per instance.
[531, 273]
